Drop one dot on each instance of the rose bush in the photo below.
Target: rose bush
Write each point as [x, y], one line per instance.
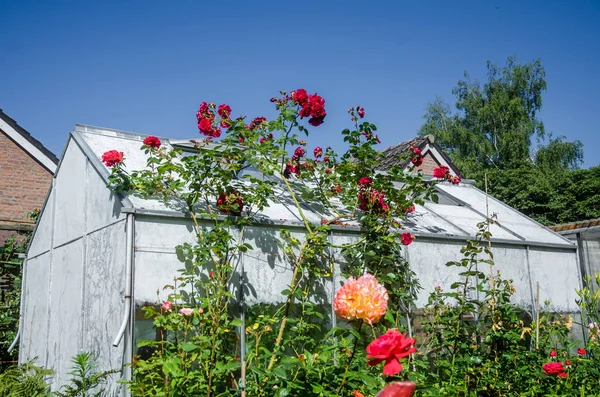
[296, 347]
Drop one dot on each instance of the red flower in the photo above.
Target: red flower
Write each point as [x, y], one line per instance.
[563, 375]
[372, 201]
[206, 128]
[441, 172]
[300, 96]
[552, 353]
[257, 122]
[417, 160]
[227, 201]
[365, 181]
[398, 389]
[291, 168]
[361, 112]
[356, 393]
[224, 111]
[390, 348]
[567, 363]
[581, 351]
[336, 188]
[407, 238]
[318, 152]
[204, 112]
[455, 180]
[112, 158]
[298, 153]
[211, 275]
[409, 209]
[152, 141]
[553, 368]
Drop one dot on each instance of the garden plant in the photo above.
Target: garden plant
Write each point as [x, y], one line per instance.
[473, 339]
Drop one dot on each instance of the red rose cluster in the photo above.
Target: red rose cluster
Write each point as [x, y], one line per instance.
[372, 201]
[312, 106]
[152, 141]
[112, 158]
[389, 348]
[443, 172]
[206, 119]
[417, 156]
[257, 122]
[293, 166]
[227, 202]
[318, 152]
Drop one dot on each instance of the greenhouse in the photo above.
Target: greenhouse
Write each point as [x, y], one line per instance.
[96, 257]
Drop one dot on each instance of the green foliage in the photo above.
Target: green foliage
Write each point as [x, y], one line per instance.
[25, 380]
[85, 378]
[10, 298]
[479, 343]
[493, 132]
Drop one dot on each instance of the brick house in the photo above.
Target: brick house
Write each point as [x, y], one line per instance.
[26, 171]
[433, 156]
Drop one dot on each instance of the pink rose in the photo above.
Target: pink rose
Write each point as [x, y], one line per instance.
[186, 311]
[407, 238]
[166, 306]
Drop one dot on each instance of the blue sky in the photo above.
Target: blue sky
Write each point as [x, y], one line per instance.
[144, 66]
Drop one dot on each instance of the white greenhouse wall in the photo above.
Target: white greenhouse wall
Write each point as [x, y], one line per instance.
[74, 281]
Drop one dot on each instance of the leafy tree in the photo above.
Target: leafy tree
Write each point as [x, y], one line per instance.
[493, 131]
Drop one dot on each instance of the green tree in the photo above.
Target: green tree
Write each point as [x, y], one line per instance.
[495, 129]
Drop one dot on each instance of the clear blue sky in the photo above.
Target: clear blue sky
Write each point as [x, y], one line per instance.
[144, 66]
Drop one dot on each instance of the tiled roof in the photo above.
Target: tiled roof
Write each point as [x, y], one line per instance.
[400, 154]
[576, 225]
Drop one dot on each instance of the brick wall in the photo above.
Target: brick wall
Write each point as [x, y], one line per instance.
[429, 163]
[24, 184]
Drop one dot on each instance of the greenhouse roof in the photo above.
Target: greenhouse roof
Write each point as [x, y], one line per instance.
[456, 215]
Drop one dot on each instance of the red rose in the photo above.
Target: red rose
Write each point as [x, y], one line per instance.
[553, 368]
[398, 389]
[152, 141]
[441, 172]
[407, 238]
[567, 363]
[299, 152]
[581, 351]
[364, 181]
[257, 122]
[336, 188]
[409, 209]
[455, 180]
[390, 348]
[372, 201]
[318, 152]
[224, 111]
[206, 128]
[112, 158]
[300, 96]
[227, 201]
[361, 112]
[205, 112]
[552, 353]
[563, 375]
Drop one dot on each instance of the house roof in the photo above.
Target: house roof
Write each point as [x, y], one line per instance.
[28, 143]
[574, 227]
[400, 153]
[460, 207]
